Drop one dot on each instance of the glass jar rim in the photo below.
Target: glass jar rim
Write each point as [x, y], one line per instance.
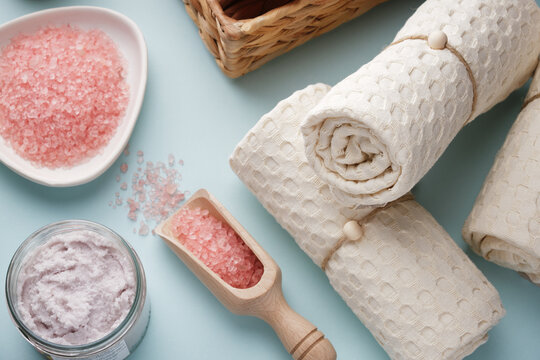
[110, 338]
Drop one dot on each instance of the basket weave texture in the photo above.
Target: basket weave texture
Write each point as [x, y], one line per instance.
[241, 46]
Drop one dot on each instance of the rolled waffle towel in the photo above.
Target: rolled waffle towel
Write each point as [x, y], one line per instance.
[405, 278]
[378, 132]
[504, 225]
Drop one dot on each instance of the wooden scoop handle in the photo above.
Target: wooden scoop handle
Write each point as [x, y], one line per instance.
[300, 337]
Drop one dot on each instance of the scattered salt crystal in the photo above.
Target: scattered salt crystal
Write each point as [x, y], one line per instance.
[124, 168]
[143, 230]
[117, 178]
[71, 100]
[155, 191]
[133, 209]
[218, 246]
[170, 188]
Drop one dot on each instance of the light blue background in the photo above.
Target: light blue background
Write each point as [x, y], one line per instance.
[193, 111]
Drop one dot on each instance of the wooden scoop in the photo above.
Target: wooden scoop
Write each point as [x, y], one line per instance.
[264, 300]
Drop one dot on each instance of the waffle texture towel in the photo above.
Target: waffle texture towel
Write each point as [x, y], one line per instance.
[378, 132]
[410, 284]
[504, 225]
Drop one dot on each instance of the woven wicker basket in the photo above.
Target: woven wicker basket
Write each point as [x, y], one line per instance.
[244, 34]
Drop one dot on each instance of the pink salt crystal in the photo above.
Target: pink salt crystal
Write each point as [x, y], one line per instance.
[117, 178]
[123, 186]
[170, 188]
[171, 160]
[124, 168]
[143, 230]
[133, 208]
[60, 103]
[218, 246]
[140, 153]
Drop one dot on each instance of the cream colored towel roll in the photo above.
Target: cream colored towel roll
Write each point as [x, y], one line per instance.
[405, 278]
[504, 225]
[378, 132]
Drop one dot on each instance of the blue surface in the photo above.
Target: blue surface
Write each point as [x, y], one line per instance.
[193, 111]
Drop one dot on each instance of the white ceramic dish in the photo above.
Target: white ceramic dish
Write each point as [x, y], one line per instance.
[130, 42]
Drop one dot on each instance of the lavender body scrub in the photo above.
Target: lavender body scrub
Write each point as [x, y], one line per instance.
[76, 288]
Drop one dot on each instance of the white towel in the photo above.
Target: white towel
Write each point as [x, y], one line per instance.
[378, 132]
[406, 280]
[504, 225]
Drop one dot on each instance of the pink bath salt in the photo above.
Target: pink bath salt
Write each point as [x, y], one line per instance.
[124, 168]
[62, 94]
[170, 188]
[155, 190]
[142, 197]
[143, 229]
[218, 246]
[133, 209]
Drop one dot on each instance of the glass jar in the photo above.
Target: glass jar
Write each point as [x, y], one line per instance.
[116, 345]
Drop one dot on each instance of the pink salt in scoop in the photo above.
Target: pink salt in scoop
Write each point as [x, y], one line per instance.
[237, 270]
[218, 246]
[65, 110]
